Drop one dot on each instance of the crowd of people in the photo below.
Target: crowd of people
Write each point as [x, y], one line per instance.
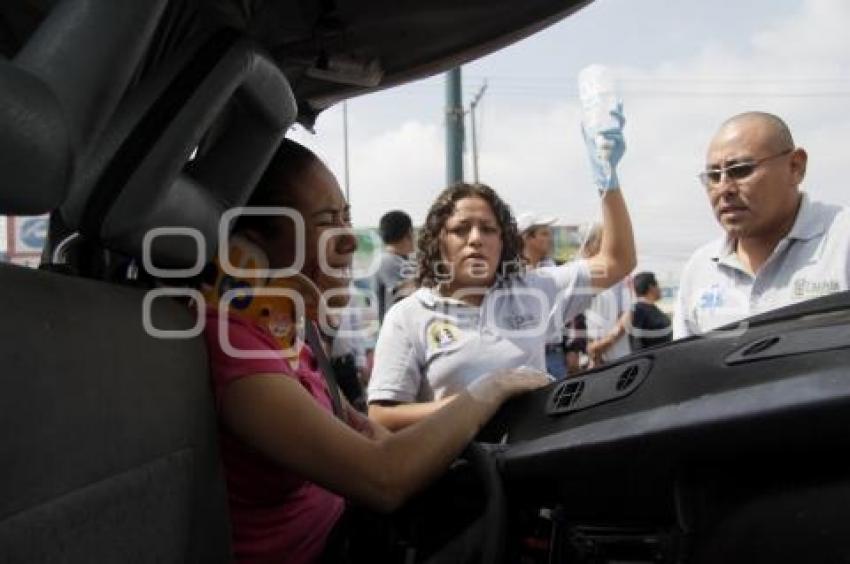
[472, 313]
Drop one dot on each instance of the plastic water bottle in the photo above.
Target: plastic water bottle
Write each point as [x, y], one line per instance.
[598, 95]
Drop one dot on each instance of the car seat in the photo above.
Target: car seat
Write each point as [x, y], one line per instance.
[108, 436]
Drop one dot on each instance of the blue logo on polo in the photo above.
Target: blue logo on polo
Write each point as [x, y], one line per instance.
[711, 298]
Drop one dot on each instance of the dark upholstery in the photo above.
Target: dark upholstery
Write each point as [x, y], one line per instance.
[60, 91]
[229, 101]
[35, 149]
[158, 192]
[107, 435]
[108, 517]
[108, 438]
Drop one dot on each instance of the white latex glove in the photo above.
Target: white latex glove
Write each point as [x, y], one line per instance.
[605, 148]
[496, 387]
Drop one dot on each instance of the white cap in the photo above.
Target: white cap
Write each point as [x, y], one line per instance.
[526, 221]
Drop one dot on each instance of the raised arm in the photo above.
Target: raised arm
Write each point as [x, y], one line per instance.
[276, 415]
[616, 256]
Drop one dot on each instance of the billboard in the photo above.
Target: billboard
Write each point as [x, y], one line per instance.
[25, 237]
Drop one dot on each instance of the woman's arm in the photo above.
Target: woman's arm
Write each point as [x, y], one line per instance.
[397, 415]
[596, 349]
[616, 256]
[362, 424]
[277, 416]
[397, 375]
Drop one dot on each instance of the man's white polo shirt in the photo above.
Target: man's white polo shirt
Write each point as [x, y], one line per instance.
[431, 347]
[811, 261]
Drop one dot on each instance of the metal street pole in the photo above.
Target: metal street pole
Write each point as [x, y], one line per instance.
[345, 146]
[454, 127]
[472, 106]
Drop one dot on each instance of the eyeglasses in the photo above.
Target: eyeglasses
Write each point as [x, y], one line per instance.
[738, 171]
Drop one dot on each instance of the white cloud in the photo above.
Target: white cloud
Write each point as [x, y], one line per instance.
[813, 37]
[401, 168]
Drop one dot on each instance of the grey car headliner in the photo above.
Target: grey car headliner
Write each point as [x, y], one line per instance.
[331, 50]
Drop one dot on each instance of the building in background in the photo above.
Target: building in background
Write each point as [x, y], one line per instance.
[22, 239]
[566, 240]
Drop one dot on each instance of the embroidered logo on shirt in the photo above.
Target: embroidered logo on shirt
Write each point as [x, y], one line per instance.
[442, 335]
[711, 298]
[518, 321]
[804, 289]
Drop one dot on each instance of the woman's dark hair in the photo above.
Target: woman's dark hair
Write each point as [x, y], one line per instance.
[510, 262]
[277, 185]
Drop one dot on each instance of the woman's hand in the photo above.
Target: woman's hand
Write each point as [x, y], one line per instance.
[497, 387]
[605, 148]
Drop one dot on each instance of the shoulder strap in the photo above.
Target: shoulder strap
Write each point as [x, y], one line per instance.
[149, 129]
[381, 290]
[312, 336]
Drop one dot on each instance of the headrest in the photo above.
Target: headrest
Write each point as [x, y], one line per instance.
[58, 93]
[149, 186]
[35, 151]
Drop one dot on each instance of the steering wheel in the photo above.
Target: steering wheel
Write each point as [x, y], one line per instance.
[485, 536]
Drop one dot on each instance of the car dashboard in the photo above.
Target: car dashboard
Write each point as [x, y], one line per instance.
[720, 448]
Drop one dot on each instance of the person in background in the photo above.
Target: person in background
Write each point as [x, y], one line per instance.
[393, 280]
[291, 449]
[607, 318]
[575, 344]
[536, 234]
[478, 308]
[649, 325]
[779, 247]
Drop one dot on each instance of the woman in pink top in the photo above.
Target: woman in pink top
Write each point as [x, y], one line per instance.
[288, 460]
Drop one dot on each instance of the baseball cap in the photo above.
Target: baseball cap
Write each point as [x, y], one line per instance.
[528, 220]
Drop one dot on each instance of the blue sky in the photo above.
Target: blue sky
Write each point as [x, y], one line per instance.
[684, 65]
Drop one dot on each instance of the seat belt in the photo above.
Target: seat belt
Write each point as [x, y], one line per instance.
[311, 334]
[150, 127]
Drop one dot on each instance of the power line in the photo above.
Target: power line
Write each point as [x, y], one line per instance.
[678, 78]
[633, 90]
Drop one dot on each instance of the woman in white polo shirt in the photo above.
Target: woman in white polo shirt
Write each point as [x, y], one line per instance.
[477, 308]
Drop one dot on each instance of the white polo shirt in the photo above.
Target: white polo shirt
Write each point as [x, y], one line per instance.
[603, 314]
[431, 347]
[811, 261]
[555, 332]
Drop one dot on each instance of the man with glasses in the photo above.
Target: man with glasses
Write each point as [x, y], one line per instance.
[780, 246]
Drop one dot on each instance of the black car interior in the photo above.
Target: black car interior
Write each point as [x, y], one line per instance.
[109, 441]
[126, 118]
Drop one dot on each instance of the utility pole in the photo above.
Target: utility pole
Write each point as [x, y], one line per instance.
[454, 127]
[472, 107]
[345, 146]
